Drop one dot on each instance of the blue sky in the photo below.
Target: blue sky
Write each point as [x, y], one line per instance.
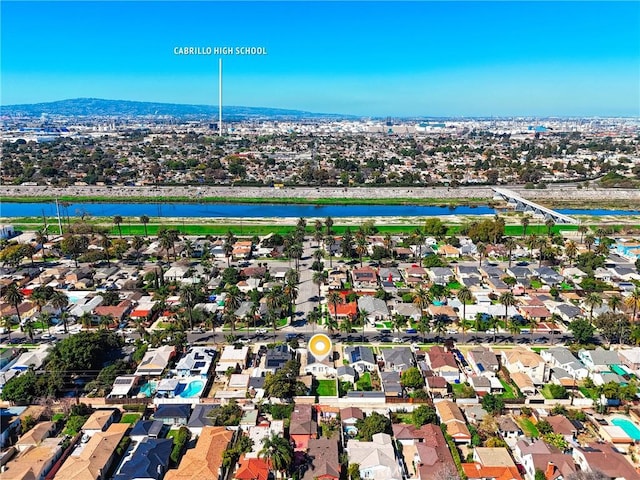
[445, 58]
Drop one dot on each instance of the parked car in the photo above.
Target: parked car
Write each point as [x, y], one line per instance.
[262, 331]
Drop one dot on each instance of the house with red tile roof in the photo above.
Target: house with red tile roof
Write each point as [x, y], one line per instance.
[252, 469]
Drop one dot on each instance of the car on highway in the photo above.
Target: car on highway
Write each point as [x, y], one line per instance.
[397, 340]
[411, 331]
[290, 336]
[385, 331]
[244, 341]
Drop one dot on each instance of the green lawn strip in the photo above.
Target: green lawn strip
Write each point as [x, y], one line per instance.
[529, 429]
[508, 390]
[326, 388]
[130, 418]
[589, 392]
[404, 417]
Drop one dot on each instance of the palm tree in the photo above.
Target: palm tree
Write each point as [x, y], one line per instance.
[60, 302]
[106, 321]
[231, 303]
[361, 246]
[295, 252]
[421, 297]
[592, 301]
[465, 296]
[332, 324]
[188, 298]
[329, 242]
[440, 323]
[118, 220]
[510, 244]
[41, 239]
[317, 231]
[86, 320]
[291, 292]
[346, 325]
[329, 223]
[614, 302]
[589, 240]
[549, 223]
[45, 319]
[508, 300]
[633, 302]
[362, 320]
[29, 329]
[6, 323]
[398, 321]
[105, 243]
[318, 279]
[582, 229]
[524, 221]
[13, 296]
[481, 248]
[137, 243]
[571, 250]
[144, 219]
[424, 326]
[334, 298]
[278, 453]
[274, 298]
[166, 241]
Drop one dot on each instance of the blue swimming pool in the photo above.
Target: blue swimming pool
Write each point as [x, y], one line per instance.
[193, 389]
[628, 426]
[149, 389]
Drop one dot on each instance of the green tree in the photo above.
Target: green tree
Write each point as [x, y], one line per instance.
[334, 298]
[353, 471]
[412, 378]
[492, 404]
[465, 296]
[372, 424]
[582, 330]
[423, 415]
[284, 383]
[592, 301]
[277, 451]
[74, 245]
[13, 296]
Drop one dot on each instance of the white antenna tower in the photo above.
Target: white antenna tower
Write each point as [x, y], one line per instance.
[220, 96]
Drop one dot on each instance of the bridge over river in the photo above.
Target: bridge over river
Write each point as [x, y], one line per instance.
[527, 206]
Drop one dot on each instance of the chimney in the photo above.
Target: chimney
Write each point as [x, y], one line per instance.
[551, 468]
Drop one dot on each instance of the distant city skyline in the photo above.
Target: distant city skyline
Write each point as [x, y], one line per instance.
[362, 58]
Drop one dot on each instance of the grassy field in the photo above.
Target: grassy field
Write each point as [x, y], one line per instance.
[326, 388]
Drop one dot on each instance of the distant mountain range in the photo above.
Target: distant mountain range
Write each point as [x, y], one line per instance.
[96, 107]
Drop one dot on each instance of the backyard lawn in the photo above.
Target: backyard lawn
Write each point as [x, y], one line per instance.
[364, 382]
[130, 418]
[326, 388]
[509, 391]
[527, 426]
